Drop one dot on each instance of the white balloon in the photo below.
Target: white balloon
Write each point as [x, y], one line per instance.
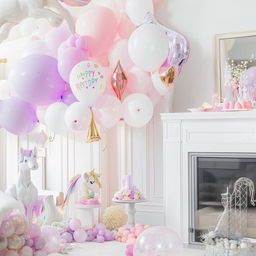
[159, 85]
[28, 26]
[36, 47]
[139, 81]
[137, 10]
[138, 110]
[148, 47]
[87, 81]
[78, 116]
[55, 118]
[119, 52]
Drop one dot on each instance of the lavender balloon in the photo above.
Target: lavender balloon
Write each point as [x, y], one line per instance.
[68, 97]
[17, 116]
[36, 80]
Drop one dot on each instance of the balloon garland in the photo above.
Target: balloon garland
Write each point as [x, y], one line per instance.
[116, 66]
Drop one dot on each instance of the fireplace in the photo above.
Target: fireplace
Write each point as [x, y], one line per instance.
[203, 154]
[211, 174]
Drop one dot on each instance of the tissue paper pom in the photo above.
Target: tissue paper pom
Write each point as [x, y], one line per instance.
[114, 217]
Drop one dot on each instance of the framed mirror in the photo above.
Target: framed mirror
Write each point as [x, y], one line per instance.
[236, 66]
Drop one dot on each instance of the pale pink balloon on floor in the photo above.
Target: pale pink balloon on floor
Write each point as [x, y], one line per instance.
[125, 27]
[56, 36]
[107, 111]
[11, 253]
[138, 110]
[68, 59]
[100, 24]
[36, 47]
[159, 241]
[119, 52]
[139, 81]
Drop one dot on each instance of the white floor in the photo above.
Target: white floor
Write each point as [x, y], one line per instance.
[115, 249]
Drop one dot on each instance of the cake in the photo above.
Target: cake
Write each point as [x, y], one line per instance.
[128, 191]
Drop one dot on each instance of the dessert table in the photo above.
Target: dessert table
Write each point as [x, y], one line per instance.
[131, 208]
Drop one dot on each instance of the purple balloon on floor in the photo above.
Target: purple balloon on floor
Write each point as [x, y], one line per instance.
[36, 80]
[17, 116]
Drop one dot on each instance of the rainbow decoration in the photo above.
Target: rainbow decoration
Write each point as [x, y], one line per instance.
[71, 188]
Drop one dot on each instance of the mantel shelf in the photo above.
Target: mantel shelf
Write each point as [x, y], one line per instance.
[209, 115]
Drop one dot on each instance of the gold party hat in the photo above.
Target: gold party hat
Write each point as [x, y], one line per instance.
[93, 134]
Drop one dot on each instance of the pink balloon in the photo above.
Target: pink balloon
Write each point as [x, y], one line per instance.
[158, 241]
[68, 59]
[139, 81]
[7, 228]
[100, 25]
[50, 234]
[11, 253]
[33, 231]
[56, 36]
[125, 27]
[75, 224]
[80, 236]
[36, 79]
[119, 52]
[26, 251]
[17, 116]
[107, 111]
[52, 247]
[154, 96]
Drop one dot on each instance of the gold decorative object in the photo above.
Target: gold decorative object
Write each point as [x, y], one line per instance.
[3, 60]
[169, 76]
[93, 134]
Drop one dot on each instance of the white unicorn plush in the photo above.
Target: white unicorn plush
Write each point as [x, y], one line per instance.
[12, 12]
[24, 190]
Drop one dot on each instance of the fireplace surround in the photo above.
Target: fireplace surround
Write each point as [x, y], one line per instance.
[227, 140]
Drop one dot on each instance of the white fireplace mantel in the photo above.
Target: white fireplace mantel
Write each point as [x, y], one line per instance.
[184, 133]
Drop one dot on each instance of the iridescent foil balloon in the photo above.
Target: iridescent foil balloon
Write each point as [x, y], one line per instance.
[119, 81]
[179, 48]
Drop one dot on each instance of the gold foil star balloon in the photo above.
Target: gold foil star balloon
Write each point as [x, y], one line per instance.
[168, 77]
[93, 134]
[119, 81]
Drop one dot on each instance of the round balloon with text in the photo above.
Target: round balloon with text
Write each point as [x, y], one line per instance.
[87, 81]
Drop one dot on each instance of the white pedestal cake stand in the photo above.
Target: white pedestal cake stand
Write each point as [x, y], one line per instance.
[131, 209]
[86, 214]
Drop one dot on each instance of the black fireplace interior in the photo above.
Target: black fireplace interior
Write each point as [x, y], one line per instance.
[213, 176]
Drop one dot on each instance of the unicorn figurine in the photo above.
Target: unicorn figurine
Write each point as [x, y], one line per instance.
[12, 12]
[83, 189]
[24, 190]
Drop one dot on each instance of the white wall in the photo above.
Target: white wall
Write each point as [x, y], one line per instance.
[199, 21]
